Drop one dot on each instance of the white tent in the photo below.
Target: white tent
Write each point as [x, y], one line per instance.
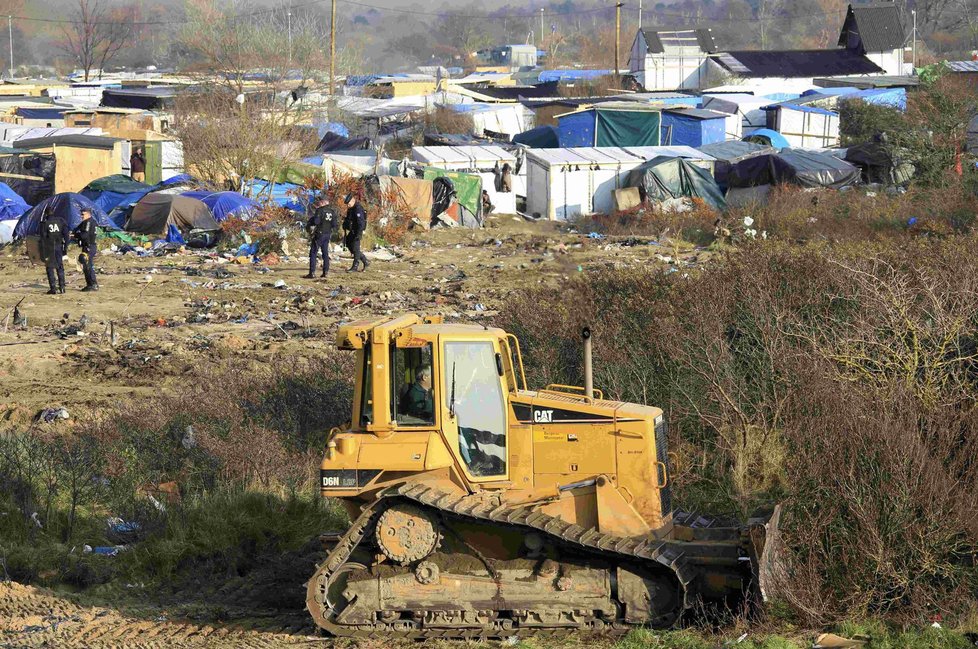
[479, 160]
[565, 183]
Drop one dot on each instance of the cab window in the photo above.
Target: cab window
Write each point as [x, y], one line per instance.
[412, 393]
[475, 395]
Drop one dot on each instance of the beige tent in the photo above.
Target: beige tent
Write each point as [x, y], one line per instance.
[155, 212]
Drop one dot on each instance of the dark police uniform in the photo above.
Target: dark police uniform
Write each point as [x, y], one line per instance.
[320, 229]
[354, 224]
[85, 234]
[54, 246]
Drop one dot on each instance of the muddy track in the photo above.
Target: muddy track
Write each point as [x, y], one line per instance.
[34, 617]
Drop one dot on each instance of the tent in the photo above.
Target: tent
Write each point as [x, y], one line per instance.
[119, 183]
[66, 205]
[541, 137]
[730, 152]
[225, 204]
[795, 166]
[468, 188]
[665, 178]
[287, 195]
[335, 142]
[611, 124]
[155, 212]
[768, 137]
[880, 163]
[12, 206]
[482, 161]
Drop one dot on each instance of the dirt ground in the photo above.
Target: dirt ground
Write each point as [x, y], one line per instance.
[174, 313]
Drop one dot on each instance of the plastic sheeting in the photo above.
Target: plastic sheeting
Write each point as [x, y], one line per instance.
[730, 152]
[335, 142]
[31, 175]
[12, 206]
[663, 178]
[7, 231]
[685, 128]
[68, 206]
[413, 193]
[795, 166]
[155, 212]
[468, 187]
[119, 183]
[880, 163]
[768, 137]
[541, 137]
[287, 195]
[598, 127]
[225, 204]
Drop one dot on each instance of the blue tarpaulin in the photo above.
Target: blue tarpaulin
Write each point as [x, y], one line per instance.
[225, 204]
[179, 179]
[571, 75]
[693, 127]
[769, 137]
[173, 235]
[894, 97]
[12, 206]
[41, 113]
[68, 206]
[282, 194]
[109, 201]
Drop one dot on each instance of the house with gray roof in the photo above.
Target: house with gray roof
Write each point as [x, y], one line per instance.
[671, 60]
[876, 31]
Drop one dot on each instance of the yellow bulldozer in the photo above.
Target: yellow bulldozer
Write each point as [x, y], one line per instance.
[484, 509]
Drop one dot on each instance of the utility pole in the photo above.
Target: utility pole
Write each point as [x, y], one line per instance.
[914, 44]
[541, 26]
[332, 50]
[289, 14]
[640, 14]
[617, 37]
[10, 34]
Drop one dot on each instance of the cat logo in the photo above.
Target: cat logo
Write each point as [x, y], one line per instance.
[543, 416]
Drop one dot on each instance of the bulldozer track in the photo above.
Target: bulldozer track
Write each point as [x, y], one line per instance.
[668, 555]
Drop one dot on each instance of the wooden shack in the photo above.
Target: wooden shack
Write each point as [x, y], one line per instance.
[80, 159]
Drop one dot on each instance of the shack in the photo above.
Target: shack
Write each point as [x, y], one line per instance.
[565, 183]
[693, 126]
[745, 112]
[482, 161]
[614, 123]
[807, 127]
[80, 159]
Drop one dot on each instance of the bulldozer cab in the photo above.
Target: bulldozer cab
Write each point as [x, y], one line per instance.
[422, 376]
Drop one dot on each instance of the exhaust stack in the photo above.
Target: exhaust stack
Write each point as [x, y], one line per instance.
[588, 369]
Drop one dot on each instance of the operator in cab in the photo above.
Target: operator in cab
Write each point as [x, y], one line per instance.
[417, 401]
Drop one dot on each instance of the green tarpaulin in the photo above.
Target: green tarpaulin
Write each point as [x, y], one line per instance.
[663, 178]
[118, 183]
[467, 186]
[627, 128]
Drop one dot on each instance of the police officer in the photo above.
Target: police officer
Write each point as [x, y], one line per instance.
[85, 236]
[54, 246]
[354, 224]
[320, 229]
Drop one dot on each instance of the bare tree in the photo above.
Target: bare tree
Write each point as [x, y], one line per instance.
[97, 33]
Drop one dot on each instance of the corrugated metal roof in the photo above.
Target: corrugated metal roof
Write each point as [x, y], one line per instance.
[877, 26]
[796, 63]
[657, 41]
[963, 66]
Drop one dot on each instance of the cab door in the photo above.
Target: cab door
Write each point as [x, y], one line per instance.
[474, 408]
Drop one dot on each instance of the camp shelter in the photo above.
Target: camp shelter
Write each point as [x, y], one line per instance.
[768, 137]
[501, 121]
[402, 85]
[29, 174]
[610, 124]
[793, 166]
[287, 195]
[541, 137]
[482, 161]
[38, 115]
[12, 206]
[111, 191]
[225, 204]
[693, 126]
[10, 134]
[881, 162]
[113, 120]
[468, 188]
[730, 152]
[80, 158]
[804, 126]
[565, 183]
[745, 111]
[155, 212]
[148, 98]
[664, 178]
[68, 206]
[412, 193]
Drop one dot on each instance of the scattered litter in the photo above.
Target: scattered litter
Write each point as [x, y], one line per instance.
[49, 415]
[123, 532]
[145, 279]
[833, 641]
[595, 235]
[109, 550]
[37, 520]
[279, 283]
[189, 440]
